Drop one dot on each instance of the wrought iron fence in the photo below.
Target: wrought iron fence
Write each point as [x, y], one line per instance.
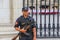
[47, 16]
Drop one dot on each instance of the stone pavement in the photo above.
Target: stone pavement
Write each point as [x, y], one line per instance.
[37, 39]
[10, 33]
[9, 37]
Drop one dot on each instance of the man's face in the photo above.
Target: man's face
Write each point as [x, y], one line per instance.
[25, 13]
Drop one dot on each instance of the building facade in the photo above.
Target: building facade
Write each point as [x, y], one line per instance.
[10, 10]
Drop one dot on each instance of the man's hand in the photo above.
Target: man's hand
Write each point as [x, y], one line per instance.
[22, 30]
[34, 38]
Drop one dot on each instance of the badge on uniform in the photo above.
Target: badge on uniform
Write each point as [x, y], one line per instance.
[23, 23]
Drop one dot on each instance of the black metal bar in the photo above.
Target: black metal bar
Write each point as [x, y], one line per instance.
[40, 20]
[23, 3]
[58, 21]
[45, 21]
[53, 19]
[27, 3]
[32, 5]
[49, 26]
[36, 12]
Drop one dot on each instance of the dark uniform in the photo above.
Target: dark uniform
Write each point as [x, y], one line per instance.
[21, 22]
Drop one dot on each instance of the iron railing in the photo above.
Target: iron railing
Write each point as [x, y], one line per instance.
[47, 18]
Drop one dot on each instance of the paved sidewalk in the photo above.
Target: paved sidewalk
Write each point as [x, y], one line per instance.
[37, 39]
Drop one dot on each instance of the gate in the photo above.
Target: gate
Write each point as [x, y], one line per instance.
[47, 16]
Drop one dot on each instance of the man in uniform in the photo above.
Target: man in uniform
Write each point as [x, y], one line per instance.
[21, 23]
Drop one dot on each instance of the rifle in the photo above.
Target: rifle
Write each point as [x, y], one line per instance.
[15, 37]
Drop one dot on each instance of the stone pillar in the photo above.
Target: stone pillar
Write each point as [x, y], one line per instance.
[15, 11]
[17, 6]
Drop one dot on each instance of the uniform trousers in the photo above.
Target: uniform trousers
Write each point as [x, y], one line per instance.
[25, 38]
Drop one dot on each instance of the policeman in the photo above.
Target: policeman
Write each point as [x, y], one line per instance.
[42, 9]
[33, 10]
[55, 8]
[21, 23]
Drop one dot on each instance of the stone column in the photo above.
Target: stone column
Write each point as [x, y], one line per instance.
[17, 6]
